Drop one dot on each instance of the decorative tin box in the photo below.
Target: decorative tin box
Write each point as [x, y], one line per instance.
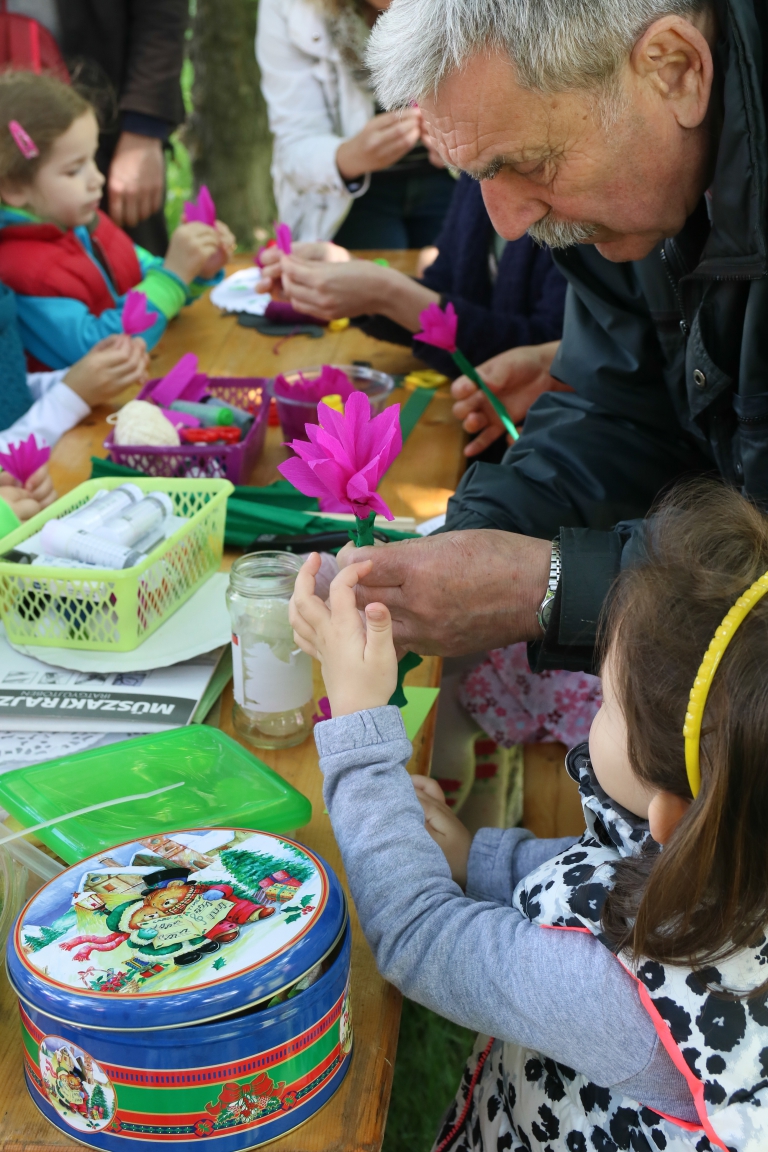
[189, 987]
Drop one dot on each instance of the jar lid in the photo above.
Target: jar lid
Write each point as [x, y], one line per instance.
[175, 929]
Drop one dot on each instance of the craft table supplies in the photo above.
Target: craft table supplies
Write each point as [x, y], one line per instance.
[272, 677]
[188, 987]
[439, 328]
[297, 394]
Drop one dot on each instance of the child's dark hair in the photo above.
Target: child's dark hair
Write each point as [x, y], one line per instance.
[45, 108]
[705, 896]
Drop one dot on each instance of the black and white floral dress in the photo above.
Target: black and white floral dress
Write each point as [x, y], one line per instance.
[515, 1099]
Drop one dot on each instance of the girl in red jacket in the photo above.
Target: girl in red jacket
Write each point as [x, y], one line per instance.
[68, 264]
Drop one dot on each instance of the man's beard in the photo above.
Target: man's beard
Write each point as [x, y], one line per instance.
[561, 233]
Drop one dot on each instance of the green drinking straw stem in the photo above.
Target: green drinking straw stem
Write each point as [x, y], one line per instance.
[461, 362]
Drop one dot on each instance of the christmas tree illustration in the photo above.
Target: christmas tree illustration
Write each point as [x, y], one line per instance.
[46, 936]
[248, 868]
[99, 1100]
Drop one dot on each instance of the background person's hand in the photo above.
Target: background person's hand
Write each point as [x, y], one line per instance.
[323, 251]
[357, 658]
[136, 180]
[331, 291]
[193, 247]
[444, 827]
[384, 139]
[518, 377]
[109, 368]
[456, 592]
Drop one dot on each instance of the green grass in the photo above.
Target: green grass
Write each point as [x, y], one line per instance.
[180, 184]
[431, 1054]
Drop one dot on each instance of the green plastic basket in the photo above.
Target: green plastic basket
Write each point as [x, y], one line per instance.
[101, 610]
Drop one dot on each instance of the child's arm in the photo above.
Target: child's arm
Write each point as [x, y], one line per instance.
[482, 965]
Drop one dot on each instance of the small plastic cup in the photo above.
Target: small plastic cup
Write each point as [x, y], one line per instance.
[295, 414]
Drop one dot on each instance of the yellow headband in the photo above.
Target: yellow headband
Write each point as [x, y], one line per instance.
[703, 682]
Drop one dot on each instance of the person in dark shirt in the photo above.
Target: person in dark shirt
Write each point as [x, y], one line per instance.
[505, 293]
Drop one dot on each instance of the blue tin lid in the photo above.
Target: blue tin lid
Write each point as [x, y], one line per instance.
[175, 928]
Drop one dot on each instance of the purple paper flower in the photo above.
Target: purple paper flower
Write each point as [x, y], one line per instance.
[346, 457]
[22, 460]
[201, 210]
[438, 326]
[136, 318]
[283, 238]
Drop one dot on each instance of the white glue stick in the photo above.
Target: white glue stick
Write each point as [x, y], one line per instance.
[70, 542]
[104, 507]
[138, 520]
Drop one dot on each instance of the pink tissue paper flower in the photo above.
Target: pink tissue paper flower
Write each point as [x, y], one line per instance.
[22, 460]
[136, 317]
[283, 238]
[329, 382]
[346, 457]
[201, 210]
[438, 326]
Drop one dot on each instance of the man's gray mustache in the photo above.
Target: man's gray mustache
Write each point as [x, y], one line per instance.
[561, 233]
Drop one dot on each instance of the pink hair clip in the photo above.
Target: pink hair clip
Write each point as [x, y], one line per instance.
[23, 140]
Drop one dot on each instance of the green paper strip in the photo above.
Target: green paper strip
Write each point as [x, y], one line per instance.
[418, 706]
[404, 666]
[461, 362]
[413, 409]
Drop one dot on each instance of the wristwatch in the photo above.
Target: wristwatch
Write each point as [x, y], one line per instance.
[555, 568]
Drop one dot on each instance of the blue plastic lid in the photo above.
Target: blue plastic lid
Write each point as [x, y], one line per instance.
[175, 928]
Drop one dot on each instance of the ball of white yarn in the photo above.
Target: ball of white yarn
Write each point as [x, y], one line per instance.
[142, 423]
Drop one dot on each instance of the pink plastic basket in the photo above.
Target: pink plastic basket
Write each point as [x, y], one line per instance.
[209, 461]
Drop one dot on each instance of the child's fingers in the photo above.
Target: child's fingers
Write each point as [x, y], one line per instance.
[378, 632]
[305, 645]
[429, 787]
[306, 609]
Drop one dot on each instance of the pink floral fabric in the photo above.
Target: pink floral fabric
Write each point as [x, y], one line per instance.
[517, 706]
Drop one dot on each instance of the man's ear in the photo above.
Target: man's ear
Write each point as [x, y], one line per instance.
[675, 59]
[665, 812]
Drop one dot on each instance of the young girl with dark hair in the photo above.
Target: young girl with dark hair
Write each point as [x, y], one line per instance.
[68, 264]
[619, 981]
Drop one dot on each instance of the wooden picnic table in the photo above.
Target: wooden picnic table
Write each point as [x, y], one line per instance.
[418, 484]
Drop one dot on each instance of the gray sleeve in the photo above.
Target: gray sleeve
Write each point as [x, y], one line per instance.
[501, 857]
[480, 964]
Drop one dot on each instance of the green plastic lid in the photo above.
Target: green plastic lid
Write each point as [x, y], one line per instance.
[214, 783]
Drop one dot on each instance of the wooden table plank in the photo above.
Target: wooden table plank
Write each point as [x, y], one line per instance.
[418, 484]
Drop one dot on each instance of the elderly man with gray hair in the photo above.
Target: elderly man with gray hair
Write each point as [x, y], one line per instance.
[631, 136]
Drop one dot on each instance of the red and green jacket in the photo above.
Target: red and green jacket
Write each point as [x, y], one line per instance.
[71, 284]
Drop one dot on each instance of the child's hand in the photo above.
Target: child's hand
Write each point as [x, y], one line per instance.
[18, 498]
[108, 369]
[40, 487]
[227, 245]
[358, 659]
[333, 290]
[444, 827]
[191, 249]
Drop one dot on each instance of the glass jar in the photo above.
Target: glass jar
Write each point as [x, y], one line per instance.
[272, 677]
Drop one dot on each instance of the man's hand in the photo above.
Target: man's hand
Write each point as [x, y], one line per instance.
[358, 659]
[446, 830]
[136, 180]
[518, 377]
[108, 369]
[322, 251]
[384, 139]
[456, 592]
[193, 248]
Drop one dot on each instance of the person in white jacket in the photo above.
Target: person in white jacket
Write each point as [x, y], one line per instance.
[341, 169]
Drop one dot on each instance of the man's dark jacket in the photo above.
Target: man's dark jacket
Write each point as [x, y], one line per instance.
[668, 359]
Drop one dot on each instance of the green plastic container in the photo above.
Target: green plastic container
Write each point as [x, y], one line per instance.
[224, 787]
[100, 610]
